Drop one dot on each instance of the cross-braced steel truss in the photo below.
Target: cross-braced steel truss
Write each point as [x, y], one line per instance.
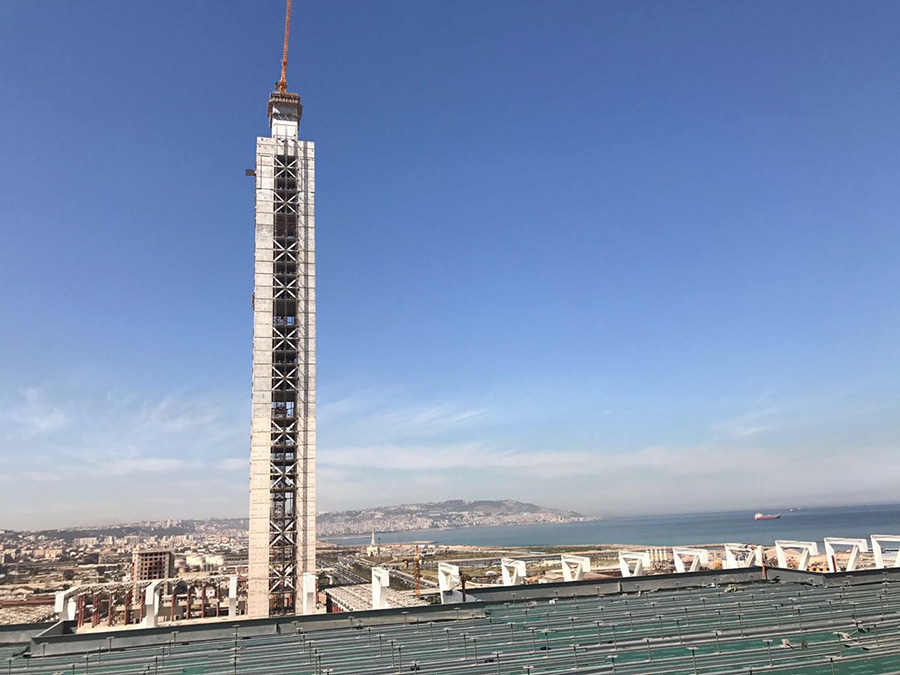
[290, 381]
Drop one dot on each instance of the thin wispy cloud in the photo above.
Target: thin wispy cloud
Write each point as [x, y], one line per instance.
[439, 457]
[434, 418]
[33, 415]
[387, 415]
[655, 480]
[112, 449]
[235, 464]
[747, 425]
[109, 451]
[750, 457]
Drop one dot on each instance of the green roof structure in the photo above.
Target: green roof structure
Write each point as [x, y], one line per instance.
[737, 622]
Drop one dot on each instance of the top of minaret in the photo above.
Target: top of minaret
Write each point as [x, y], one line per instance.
[284, 112]
[284, 107]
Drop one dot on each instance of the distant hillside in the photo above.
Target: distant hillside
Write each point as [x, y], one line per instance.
[434, 515]
[399, 518]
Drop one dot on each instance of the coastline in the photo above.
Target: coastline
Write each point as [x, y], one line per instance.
[356, 535]
[699, 529]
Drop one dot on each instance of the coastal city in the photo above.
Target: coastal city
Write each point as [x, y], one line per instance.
[442, 515]
[35, 565]
[39, 567]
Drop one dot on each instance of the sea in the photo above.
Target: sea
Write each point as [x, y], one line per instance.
[804, 524]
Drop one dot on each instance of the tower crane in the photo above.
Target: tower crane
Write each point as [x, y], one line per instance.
[282, 83]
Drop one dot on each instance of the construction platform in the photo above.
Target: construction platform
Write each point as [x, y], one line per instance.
[739, 621]
[358, 598]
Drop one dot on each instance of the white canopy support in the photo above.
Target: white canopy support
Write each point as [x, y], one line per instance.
[65, 605]
[513, 571]
[448, 582]
[448, 576]
[640, 559]
[308, 599]
[381, 579]
[856, 545]
[878, 550]
[739, 556]
[152, 603]
[808, 548]
[232, 596]
[574, 567]
[698, 556]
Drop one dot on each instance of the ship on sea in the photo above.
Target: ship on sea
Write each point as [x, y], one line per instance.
[767, 516]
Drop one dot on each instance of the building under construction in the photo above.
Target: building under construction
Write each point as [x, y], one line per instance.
[283, 427]
[147, 565]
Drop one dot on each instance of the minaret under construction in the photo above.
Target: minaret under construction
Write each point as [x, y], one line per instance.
[283, 427]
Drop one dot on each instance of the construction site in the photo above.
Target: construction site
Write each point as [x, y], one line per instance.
[791, 608]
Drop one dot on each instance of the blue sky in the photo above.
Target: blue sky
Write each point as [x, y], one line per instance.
[617, 257]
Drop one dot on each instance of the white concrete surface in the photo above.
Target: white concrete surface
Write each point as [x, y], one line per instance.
[448, 583]
[574, 567]
[806, 549]
[882, 543]
[513, 571]
[739, 556]
[696, 556]
[308, 590]
[632, 563]
[856, 545]
[381, 579]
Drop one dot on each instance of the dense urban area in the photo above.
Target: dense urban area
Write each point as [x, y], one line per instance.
[440, 515]
[201, 555]
[36, 564]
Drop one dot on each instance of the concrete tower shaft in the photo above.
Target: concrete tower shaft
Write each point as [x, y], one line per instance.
[283, 427]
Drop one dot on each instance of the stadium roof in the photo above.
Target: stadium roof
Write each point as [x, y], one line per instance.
[735, 622]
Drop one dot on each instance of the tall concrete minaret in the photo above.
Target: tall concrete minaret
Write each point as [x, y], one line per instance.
[283, 427]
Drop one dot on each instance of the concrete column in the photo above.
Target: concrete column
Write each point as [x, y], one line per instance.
[381, 579]
[808, 548]
[574, 567]
[878, 542]
[308, 592]
[698, 555]
[151, 604]
[514, 571]
[856, 545]
[738, 556]
[232, 596]
[65, 605]
[640, 559]
[448, 582]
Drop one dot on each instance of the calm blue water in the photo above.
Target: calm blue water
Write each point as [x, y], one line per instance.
[706, 528]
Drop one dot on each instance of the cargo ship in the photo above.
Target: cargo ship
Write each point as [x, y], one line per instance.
[767, 516]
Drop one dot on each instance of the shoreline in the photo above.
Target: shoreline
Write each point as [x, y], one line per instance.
[366, 533]
[807, 524]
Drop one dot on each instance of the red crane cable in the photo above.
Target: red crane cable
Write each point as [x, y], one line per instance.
[282, 85]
